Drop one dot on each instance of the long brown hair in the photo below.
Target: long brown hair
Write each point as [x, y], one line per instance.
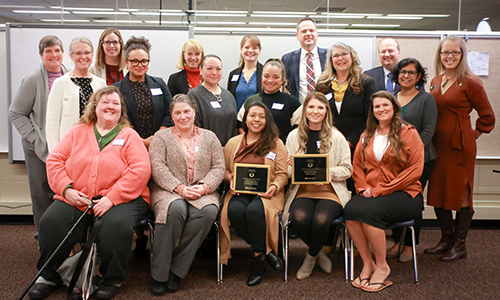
[100, 58]
[394, 137]
[355, 71]
[270, 133]
[254, 40]
[89, 116]
[326, 127]
[463, 71]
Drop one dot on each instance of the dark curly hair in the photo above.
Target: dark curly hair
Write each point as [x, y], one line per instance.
[269, 134]
[420, 70]
[135, 43]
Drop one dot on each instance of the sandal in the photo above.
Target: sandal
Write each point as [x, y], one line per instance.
[382, 285]
[359, 283]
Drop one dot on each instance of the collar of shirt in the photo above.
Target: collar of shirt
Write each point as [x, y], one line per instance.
[314, 52]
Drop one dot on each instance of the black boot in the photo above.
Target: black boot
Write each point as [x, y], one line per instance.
[445, 220]
[258, 268]
[140, 251]
[462, 225]
[274, 261]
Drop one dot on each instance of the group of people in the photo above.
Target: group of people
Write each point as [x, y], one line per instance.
[141, 143]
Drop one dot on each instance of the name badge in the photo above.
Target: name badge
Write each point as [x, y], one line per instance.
[156, 92]
[215, 104]
[278, 106]
[271, 155]
[118, 142]
[318, 144]
[328, 96]
[196, 148]
[235, 77]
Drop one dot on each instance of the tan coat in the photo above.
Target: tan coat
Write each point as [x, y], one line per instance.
[272, 207]
[169, 169]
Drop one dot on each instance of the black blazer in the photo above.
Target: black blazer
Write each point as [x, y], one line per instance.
[291, 61]
[161, 103]
[231, 85]
[380, 79]
[354, 110]
[178, 83]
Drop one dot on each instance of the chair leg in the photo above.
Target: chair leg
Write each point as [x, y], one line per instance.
[413, 240]
[345, 242]
[219, 264]
[351, 248]
[401, 241]
[151, 241]
[285, 248]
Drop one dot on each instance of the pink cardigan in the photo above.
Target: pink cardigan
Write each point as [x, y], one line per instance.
[120, 171]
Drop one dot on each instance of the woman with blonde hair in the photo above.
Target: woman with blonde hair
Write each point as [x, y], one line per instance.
[110, 57]
[312, 208]
[457, 92]
[189, 65]
[246, 80]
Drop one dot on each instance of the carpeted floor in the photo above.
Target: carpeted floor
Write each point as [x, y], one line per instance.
[471, 278]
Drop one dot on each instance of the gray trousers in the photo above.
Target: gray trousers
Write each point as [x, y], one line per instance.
[177, 241]
[41, 194]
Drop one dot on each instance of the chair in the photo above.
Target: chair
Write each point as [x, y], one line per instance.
[405, 225]
[344, 243]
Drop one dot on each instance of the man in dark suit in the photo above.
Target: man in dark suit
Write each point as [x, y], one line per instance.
[389, 53]
[306, 62]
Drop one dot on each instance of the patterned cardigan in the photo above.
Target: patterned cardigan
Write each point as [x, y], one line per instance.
[169, 169]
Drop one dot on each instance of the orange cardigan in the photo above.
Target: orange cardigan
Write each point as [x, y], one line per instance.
[388, 176]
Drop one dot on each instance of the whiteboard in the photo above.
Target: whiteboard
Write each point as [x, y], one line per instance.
[227, 46]
[4, 125]
[22, 55]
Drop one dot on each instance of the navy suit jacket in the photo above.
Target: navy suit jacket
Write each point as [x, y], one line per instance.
[380, 79]
[291, 61]
[161, 103]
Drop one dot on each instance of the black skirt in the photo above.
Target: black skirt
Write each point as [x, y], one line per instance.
[385, 211]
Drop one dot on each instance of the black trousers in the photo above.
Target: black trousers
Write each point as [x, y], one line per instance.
[311, 219]
[114, 240]
[247, 216]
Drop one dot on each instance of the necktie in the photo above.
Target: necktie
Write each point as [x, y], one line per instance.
[311, 81]
[388, 85]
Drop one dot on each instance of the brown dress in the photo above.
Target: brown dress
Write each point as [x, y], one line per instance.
[455, 142]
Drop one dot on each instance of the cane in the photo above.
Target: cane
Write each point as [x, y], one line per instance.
[60, 245]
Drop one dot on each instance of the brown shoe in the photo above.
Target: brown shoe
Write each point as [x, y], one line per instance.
[443, 246]
[458, 251]
[446, 224]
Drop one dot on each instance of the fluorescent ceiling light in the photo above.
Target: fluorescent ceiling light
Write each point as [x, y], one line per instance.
[242, 29]
[167, 22]
[59, 21]
[351, 15]
[376, 25]
[275, 16]
[332, 24]
[157, 14]
[24, 6]
[150, 10]
[285, 13]
[271, 24]
[82, 8]
[100, 13]
[221, 23]
[339, 17]
[395, 18]
[54, 12]
[218, 15]
[118, 21]
[423, 16]
[220, 11]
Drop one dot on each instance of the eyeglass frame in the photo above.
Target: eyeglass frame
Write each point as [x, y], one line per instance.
[410, 73]
[136, 62]
[447, 53]
[108, 43]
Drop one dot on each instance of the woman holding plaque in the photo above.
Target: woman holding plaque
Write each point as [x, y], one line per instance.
[255, 217]
[311, 208]
[388, 163]
[457, 92]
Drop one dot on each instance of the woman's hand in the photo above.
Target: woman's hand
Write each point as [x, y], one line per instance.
[199, 189]
[189, 193]
[270, 192]
[102, 206]
[367, 193]
[477, 134]
[76, 198]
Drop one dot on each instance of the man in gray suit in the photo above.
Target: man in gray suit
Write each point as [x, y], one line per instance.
[389, 53]
[27, 113]
[305, 63]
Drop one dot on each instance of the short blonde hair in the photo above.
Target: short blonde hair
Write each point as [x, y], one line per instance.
[189, 44]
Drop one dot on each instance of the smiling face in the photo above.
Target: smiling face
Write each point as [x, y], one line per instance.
[408, 76]
[449, 61]
[183, 117]
[307, 35]
[250, 51]
[137, 72]
[111, 45]
[383, 110]
[256, 119]
[52, 58]
[271, 79]
[192, 57]
[211, 71]
[108, 110]
[315, 113]
[389, 54]
[341, 60]
[82, 55]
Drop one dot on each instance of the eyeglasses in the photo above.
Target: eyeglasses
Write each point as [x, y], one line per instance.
[412, 73]
[79, 53]
[108, 43]
[447, 53]
[135, 62]
[338, 56]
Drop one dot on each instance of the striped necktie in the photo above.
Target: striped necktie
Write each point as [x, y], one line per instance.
[388, 86]
[311, 81]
